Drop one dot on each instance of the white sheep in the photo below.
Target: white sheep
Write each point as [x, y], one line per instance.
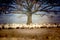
[54, 25]
[49, 25]
[6, 26]
[0, 26]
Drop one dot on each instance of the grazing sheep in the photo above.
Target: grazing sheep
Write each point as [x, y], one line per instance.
[31, 26]
[20, 25]
[59, 25]
[6, 26]
[0, 26]
[49, 25]
[54, 25]
[12, 26]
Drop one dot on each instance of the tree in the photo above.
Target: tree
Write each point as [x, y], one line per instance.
[30, 7]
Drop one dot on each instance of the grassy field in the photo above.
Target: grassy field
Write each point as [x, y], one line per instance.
[30, 34]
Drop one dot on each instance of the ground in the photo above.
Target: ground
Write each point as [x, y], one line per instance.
[30, 34]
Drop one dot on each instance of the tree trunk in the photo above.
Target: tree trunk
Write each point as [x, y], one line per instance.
[29, 18]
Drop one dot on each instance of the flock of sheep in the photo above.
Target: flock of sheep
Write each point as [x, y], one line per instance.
[17, 26]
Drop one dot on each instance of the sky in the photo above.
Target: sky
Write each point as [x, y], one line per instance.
[22, 18]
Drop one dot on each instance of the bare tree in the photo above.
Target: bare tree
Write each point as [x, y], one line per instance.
[30, 7]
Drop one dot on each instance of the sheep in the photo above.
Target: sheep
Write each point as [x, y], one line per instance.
[54, 25]
[6, 26]
[0, 26]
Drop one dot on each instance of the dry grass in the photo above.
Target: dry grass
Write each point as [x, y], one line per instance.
[30, 34]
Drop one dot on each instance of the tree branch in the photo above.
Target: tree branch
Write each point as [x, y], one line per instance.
[49, 10]
[19, 2]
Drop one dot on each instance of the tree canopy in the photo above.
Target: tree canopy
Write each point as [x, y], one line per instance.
[6, 1]
[6, 4]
